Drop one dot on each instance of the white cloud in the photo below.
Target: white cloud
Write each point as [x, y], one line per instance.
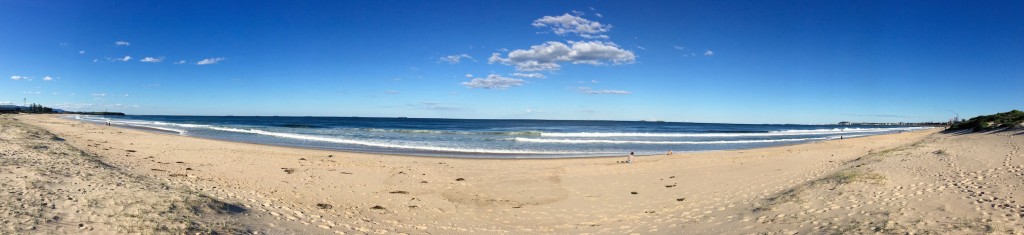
[81, 52]
[210, 61]
[391, 92]
[568, 23]
[547, 56]
[125, 58]
[17, 77]
[47, 78]
[678, 47]
[599, 15]
[469, 75]
[588, 36]
[121, 43]
[529, 75]
[99, 94]
[588, 90]
[493, 81]
[709, 53]
[180, 62]
[455, 59]
[641, 47]
[152, 60]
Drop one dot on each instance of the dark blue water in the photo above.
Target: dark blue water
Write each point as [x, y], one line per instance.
[480, 138]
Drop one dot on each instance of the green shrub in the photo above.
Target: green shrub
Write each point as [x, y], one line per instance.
[987, 122]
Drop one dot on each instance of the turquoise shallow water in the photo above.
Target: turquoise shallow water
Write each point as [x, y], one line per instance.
[485, 138]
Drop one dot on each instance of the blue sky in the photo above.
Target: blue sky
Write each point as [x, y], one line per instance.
[698, 61]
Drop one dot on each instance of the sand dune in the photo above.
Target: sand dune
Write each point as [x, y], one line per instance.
[914, 182]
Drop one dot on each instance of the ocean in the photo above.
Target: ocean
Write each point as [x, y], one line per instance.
[487, 138]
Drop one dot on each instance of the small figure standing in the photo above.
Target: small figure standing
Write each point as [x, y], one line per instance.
[630, 158]
[669, 152]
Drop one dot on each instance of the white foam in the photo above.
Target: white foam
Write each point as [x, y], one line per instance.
[386, 145]
[599, 141]
[762, 134]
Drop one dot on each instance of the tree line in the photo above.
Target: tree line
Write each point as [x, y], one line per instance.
[32, 108]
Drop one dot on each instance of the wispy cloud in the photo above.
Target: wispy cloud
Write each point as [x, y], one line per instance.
[547, 56]
[86, 106]
[493, 81]
[590, 91]
[210, 61]
[573, 24]
[391, 92]
[152, 60]
[181, 62]
[529, 75]
[18, 77]
[688, 53]
[122, 43]
[81, 52]
[455, 59]
[122, 59]
[99, 94]
[47, 78]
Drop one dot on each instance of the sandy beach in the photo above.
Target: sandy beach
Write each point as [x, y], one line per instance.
[65, 176]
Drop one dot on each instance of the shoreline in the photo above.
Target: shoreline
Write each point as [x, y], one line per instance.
[894, 182]
[173, 133]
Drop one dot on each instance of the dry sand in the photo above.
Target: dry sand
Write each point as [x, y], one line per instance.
[137, 181]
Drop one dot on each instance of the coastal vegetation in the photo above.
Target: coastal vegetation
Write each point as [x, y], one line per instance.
[38, 108]
[32, 108]
[1009, 119]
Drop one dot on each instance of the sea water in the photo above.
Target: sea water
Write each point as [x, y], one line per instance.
[487, 138]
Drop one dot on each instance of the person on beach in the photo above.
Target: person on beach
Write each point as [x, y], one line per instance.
[630, 158]
[669, 152]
